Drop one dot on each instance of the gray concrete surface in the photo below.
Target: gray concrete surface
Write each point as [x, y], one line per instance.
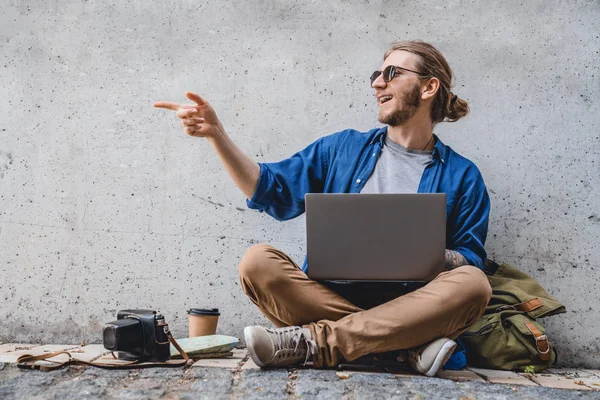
[239, 377]
[105, 203]
[213, 383]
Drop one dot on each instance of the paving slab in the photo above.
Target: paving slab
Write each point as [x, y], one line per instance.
[231, 362]
[89, 352]
[402, 372]
[559, 382]
[593, 372]
[588, 377]
[460, 376]
[570, 372]
[593, 383]
[224, 383]
[109, 359]
[250, 365]
[9, 358]
[9, 347]
[506, 377]
[47, 348]
[54, 361]
[238, 376]
[19, 350]
[240, 353]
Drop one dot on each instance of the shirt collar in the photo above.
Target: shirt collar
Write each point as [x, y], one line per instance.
[379, 135]
[440, 150]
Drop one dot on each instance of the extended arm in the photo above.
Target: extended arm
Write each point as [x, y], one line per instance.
[243, 170]
[200, 120]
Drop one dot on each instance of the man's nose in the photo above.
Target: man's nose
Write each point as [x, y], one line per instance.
[378, 82]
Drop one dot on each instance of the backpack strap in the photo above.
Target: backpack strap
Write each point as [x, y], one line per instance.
[526, 306]
[490, 267]
[541, 341]
[529, 305]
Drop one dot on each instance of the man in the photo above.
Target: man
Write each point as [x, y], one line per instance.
[334, 322]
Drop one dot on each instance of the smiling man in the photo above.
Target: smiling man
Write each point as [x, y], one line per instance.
[330, 323]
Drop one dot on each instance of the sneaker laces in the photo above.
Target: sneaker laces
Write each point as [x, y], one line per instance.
[414, 354]
[293, 342]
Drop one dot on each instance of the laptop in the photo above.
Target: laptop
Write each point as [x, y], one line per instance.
[375, 237]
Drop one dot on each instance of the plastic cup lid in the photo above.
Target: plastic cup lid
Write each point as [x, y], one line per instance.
[204, 311]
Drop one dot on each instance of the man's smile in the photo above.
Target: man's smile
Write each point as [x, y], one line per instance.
[384, 98]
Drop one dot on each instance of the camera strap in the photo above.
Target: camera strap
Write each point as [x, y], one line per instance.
[29, 361]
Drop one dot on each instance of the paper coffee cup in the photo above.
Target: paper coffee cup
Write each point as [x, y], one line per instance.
[203, 321]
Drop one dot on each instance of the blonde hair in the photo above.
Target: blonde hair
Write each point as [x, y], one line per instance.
[446, 105]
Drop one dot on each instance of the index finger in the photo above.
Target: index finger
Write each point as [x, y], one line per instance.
[195, 98]
[167, 105]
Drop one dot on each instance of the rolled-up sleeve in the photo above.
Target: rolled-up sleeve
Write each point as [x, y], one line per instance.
[282, 185]
[470, 222]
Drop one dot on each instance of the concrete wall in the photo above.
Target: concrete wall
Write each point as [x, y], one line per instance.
[105, 203]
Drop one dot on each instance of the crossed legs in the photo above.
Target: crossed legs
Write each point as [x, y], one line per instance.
[445, 307]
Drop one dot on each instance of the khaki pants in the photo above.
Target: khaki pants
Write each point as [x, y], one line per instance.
[343, 331]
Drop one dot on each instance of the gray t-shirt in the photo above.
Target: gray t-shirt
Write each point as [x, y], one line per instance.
[398, 169]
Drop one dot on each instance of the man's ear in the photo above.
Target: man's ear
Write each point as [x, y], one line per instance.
[430, 88]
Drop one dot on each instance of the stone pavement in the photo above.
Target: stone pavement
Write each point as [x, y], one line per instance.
[238, 377]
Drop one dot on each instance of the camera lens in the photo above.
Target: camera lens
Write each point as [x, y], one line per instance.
[123, 335]
[110, 338]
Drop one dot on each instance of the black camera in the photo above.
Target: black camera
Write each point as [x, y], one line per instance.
[138, 335]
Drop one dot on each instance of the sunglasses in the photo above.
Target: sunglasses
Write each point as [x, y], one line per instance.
[390, 72]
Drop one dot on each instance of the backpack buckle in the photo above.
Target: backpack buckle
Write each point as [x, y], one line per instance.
[505, 307]
[544, 340]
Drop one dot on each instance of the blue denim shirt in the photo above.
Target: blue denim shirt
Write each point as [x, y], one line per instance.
[342, 163]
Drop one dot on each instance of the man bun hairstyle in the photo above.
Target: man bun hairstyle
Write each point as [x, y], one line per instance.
[446, 105]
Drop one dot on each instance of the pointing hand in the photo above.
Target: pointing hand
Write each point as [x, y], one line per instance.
[198, 120]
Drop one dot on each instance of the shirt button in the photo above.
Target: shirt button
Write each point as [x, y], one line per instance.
[358, 181]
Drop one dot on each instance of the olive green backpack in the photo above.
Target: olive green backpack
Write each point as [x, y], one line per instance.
[507, 336]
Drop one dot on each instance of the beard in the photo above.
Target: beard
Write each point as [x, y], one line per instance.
[410, 102]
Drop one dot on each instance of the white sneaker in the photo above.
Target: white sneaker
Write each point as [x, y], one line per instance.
[429, 358]
[279, 347]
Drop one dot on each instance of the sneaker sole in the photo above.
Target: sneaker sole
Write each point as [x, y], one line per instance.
[442, 357]
[248, 337]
